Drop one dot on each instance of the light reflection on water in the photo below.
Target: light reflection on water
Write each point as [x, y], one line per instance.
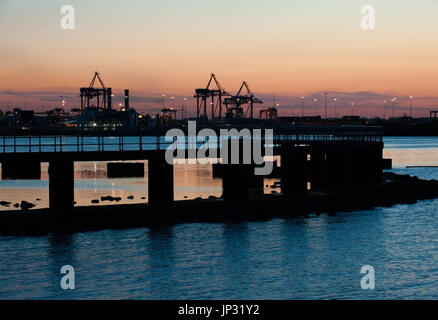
[412, 151]
[315, 257]
[191, 181]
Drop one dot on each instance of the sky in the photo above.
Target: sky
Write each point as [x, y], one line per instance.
[154, 47]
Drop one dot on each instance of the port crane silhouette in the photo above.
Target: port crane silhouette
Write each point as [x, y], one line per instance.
[202, 96]
[103, 95]
[234, 104]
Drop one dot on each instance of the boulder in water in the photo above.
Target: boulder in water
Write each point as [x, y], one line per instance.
[5, 203]
[26, 205]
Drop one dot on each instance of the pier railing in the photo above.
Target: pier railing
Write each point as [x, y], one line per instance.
[42, 144]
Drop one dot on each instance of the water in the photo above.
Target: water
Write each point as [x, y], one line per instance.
[315, 257]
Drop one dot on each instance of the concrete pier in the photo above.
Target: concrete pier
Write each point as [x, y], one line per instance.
[160, 180]
[61, 186]
[327, 157]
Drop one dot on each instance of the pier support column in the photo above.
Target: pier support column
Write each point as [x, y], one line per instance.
[61, 186]
[366, 166]
[236, 181]
[238, 178]
[160, 180]
[256, 185]
[338, 169]
[318, 170]
[293, 172]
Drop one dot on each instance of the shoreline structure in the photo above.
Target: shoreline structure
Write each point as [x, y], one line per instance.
[394, 189]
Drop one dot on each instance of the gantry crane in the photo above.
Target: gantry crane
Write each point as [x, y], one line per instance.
[202, 96]
[234, 104]
[103, 95]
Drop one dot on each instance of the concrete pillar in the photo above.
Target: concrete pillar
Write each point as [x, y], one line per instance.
[236, 181]
[375, 170]
[18, 169]
[318, 169]
[239, 181]
[217, 170]
[338, 169]
[160, 180]
[293, 172]
[256, 184]
[366, 166]
[61, 186]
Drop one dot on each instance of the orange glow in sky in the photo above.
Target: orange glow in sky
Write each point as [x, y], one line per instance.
[169, 46]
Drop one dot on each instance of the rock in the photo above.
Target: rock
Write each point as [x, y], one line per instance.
[95, 201]
[16, 205]
[38, 199]
[186, 197]
[26, 205]
[111, 199]
[5, 203]
[131, 198]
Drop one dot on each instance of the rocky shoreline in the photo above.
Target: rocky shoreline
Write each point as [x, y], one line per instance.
[395, 189]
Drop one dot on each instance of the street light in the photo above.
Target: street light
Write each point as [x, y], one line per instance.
[335, 100]
[163, 95]
[384, 109]
[185, 108]
[352, 109]
[394, 103]
[315, 100]
[412, 99]
[302, 106]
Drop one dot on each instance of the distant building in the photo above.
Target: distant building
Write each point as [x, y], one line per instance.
[97, 117]
[19, 117]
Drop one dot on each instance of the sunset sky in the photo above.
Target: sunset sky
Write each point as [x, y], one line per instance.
[170, 47]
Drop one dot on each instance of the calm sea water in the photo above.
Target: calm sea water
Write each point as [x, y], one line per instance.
[314, 257]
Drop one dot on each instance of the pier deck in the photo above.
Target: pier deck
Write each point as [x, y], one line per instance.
[323, 157]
